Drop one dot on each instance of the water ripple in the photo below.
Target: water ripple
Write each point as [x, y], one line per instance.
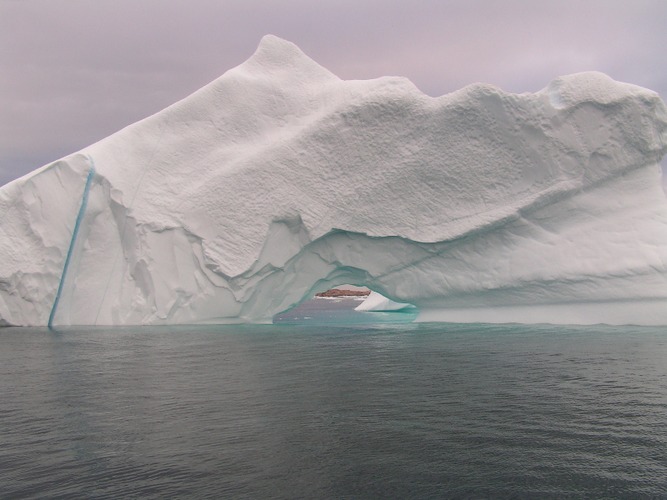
[288, 411]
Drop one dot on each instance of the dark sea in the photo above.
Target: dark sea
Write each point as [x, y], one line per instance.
[333, 404]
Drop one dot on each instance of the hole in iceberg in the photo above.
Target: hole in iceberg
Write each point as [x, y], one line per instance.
[345, 305]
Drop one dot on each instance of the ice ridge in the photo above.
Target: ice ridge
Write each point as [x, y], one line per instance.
[279, 180]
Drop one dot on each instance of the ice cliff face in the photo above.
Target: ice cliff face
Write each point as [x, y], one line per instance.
[278, 180]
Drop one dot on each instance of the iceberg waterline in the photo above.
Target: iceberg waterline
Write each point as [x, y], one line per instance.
[278, 180]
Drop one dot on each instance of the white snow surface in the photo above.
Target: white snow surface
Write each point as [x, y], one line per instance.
[378, 302]
[279, 180]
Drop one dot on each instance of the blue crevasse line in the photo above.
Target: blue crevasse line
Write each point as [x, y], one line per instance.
[75, 232]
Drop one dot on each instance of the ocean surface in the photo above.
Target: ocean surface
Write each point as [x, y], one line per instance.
[317, 406]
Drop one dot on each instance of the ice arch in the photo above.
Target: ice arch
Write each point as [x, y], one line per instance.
[278, 180]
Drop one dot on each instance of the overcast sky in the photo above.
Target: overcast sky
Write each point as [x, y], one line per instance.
[74, 71]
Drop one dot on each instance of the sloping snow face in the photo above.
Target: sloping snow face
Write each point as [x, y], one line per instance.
[378, 302]
[279, 180]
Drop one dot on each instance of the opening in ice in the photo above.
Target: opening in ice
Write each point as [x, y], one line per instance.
[348, 304]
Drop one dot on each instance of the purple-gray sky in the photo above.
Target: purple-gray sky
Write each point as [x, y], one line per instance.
[74, 71]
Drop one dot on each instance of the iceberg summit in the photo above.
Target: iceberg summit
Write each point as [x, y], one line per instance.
[279, 180]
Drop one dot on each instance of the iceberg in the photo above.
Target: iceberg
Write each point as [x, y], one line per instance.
[279, 180]
[378, 302]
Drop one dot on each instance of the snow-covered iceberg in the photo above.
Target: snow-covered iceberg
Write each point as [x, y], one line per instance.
[378, 302]
[278, 180]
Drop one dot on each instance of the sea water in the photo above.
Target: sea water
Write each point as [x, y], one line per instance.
[358, 410]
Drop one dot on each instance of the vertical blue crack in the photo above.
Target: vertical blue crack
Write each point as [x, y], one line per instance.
[75, 232]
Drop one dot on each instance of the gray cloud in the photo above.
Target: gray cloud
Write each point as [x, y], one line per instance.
[75, 71]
